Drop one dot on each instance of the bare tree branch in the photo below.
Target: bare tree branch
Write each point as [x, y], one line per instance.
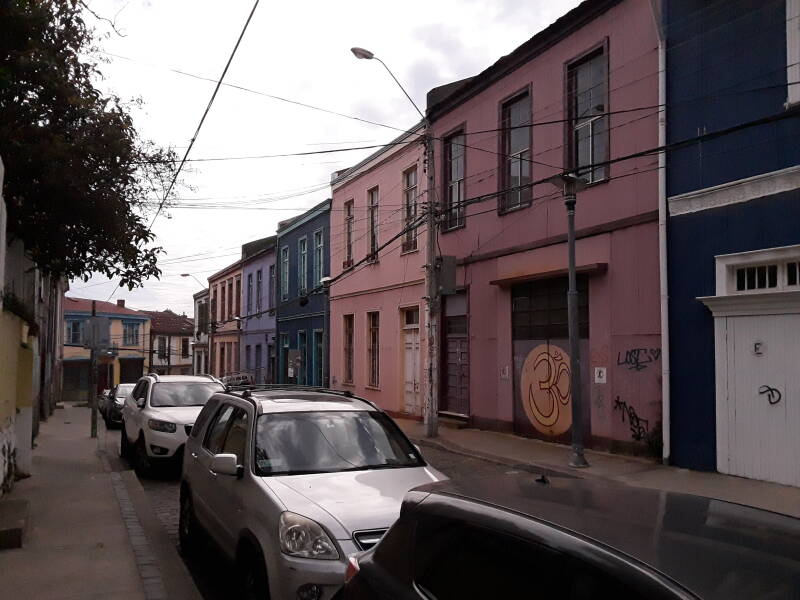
[99, 18]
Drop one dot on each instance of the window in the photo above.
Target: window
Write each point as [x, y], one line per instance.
[515, 121]
[236, 437]
[215, 436]
[372, 223]
[757, 278]
[259, 292]
[247, 358]
[222, 314]
[539, 309]
[185, 347]
[214, 305]
[202, 317]
[272, 289]
[317, 360]
[411, 318]
[319, 255]
[348, 348]
[454, 180]
[249, 303]
[302, 349]
[302, 265]
[409, 209]
[793, 50]
[587, 82]
[258, 365]
[285, 273]
[162, 347]
[771, 270]
[238, 312]
[230, 300]
[130, 334]
[348, 235]
[74, 333]
[373, 348]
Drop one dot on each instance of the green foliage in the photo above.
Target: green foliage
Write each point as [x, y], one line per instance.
[78, 176]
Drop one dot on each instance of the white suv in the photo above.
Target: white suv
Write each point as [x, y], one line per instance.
[291, 481]
[158, 416]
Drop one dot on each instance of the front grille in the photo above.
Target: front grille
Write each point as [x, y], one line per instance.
[188, 429]
[367, 539]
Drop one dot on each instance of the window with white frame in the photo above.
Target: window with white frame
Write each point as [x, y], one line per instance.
[516, 134]
[319, 255]
[409, 209]
[74, 332]
[587, 92]
[130, 334]
[302, 265]
[759, 272]
[374, 348]
[259, 291]
[454, 165]
[372, 223]
[285, 273]
[793, 51]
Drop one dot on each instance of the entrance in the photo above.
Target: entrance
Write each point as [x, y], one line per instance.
[411, 403]
[456, 358]
[542, 364]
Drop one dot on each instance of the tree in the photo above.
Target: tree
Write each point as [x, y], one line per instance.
[79, 179]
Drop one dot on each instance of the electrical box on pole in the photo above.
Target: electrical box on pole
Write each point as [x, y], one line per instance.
[447, 275]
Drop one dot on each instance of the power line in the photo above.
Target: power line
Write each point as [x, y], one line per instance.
[205, 113]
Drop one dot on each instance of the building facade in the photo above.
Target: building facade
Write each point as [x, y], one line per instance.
[734, 243]
[200, 343]
[302, 261]
[259, 281]
[572, 99]
[225, 291]
[126, 360]
[170, 342]
[377, 311]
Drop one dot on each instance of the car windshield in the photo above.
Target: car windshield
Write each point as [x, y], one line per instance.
[327, 441]
[179, 393]
[123, 390]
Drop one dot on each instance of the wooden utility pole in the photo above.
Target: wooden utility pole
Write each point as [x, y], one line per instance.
[93, 376]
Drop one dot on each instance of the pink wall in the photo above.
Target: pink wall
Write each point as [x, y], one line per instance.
[623, 294]
[393, 284]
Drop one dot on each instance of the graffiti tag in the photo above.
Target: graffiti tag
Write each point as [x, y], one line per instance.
[637, 359]
[638, 426]
[545, 386]
[773, 395]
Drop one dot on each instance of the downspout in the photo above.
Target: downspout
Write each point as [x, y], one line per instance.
[663, 214]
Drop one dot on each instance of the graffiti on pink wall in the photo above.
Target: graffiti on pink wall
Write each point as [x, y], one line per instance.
[546, 392]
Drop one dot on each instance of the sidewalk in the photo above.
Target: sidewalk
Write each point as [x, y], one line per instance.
[85, 536]
[513, 450]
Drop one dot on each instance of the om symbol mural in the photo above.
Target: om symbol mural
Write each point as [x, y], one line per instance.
[545, 387]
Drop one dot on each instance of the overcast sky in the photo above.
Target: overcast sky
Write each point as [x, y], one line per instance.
[299, 51]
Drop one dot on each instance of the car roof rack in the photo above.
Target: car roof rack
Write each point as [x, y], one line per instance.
[153, 375]
[247, 389]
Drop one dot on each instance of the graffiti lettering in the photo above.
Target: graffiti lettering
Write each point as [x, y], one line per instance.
[773, 396]
[639, 427]
[637, 359]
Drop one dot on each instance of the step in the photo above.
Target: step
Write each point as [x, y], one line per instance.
[453, 422]
[13, 522]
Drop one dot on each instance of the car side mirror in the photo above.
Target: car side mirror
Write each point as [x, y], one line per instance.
[140, 402]
[226, 464]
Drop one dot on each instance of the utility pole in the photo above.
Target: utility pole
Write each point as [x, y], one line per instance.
[432, 271]
[570, 185]
[93, 377]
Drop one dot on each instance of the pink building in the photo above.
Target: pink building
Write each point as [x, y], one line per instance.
[377, 344]
[505, 351]
[225, 292]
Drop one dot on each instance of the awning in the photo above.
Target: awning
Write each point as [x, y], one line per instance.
[590, 269]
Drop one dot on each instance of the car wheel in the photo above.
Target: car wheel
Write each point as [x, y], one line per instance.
[187, 525]
[252, 576]
[124, 444]
[142, 464]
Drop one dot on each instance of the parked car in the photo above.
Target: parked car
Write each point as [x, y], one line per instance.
[289, 482]
[111, 405]
[516, 537]
[158, 415]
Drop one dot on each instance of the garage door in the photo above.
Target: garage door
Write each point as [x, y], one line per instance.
[758, 397]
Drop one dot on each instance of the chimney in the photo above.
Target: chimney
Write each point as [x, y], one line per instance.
[121, 303]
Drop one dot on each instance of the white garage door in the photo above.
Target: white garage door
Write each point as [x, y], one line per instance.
[758, 397]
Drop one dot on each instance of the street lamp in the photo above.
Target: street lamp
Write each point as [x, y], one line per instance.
[432, 266]
[570, 185]
[202, 285]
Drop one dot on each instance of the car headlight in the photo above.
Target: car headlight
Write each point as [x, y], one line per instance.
[164, 426]
[300, 536]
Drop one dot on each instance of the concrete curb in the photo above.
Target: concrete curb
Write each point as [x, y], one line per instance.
[163, 572]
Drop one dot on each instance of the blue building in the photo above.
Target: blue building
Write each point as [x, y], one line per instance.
[303, 259]
[734, 236]
[258, 310]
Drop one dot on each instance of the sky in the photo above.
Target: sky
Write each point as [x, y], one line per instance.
[298, 51]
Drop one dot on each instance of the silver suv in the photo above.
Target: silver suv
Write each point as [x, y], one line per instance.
[290, 481]
[158, 415]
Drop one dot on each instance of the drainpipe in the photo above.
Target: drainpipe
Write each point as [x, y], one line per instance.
[663, 213]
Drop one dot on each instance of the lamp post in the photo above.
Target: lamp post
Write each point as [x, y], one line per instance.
[200, 283]
[570, 185]
[432, 267]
